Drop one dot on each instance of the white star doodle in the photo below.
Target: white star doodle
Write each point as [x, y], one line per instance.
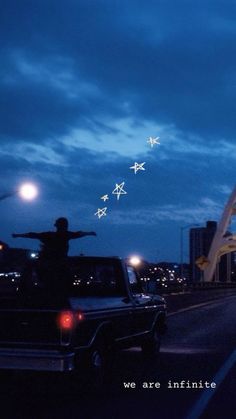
[105, 197]
[101, 212]
[152, 141]
[119, 190]
[138, 166]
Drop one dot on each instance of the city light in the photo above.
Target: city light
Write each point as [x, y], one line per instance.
[34, 255]
[28, 191]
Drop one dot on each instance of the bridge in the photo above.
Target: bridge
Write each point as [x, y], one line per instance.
[223, 242]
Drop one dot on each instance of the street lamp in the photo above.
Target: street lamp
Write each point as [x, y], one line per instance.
[135, 260]
[27, 191]
[181, 245]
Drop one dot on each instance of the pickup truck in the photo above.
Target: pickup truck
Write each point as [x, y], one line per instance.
[103, 308]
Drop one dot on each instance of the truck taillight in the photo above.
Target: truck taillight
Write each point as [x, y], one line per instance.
[67, 319]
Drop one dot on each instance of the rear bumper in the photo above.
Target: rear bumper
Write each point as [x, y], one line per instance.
[36, 360]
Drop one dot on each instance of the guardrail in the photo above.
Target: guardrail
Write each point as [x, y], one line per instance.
[190, 287]
[210, 285]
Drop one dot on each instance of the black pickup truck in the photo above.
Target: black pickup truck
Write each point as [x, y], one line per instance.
[103, 307]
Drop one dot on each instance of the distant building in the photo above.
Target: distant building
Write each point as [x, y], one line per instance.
[233, 271]
[200, 242]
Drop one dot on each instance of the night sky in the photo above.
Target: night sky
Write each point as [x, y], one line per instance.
[84, 84]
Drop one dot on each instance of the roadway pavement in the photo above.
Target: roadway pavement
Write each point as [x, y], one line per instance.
[200, 347]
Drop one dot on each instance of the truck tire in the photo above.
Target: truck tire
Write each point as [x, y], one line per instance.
[151, 346]
[100, 365]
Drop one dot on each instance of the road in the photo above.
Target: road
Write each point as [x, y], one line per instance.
[200, 347]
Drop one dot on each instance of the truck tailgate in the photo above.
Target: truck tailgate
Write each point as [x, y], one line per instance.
[29, 326]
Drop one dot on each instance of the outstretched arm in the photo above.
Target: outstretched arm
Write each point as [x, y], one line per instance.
[26, 235]
[78, 234]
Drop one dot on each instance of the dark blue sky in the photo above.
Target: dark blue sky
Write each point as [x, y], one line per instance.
[84, 84]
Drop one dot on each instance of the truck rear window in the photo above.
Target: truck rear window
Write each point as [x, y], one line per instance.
[100, 278]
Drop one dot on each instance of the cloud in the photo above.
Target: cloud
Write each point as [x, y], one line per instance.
[33, 153]
[159, 63]
[121, 137]
[56, 72]
[223, 189]
[198, 213]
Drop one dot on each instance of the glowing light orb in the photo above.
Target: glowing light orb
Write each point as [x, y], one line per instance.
[135, 260]
[28, 191]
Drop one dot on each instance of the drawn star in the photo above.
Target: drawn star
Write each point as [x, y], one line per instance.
[101, 212]
[137, 167]
[119, 190]
[105, 197]
[152, 141]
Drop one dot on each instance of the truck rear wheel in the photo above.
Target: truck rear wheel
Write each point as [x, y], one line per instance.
[151, 346]
[100, 364]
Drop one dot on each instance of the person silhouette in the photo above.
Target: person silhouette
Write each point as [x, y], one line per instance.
[55, 244]
[52, 266]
